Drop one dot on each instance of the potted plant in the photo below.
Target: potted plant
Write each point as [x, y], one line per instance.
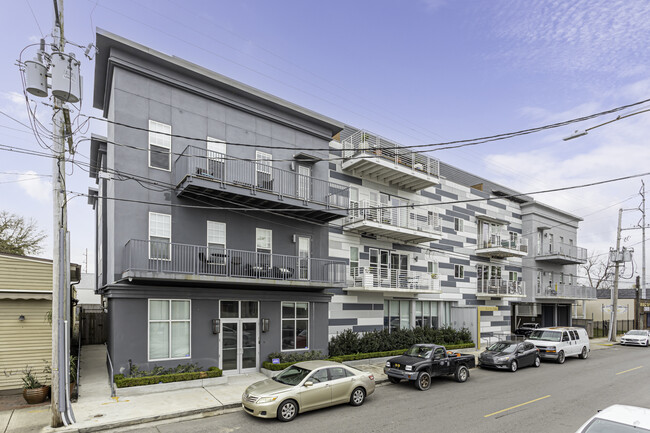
[33, 391]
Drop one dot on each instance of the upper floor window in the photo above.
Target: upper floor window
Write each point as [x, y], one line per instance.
[354, 202]
[354, 261]
[160, 236]
[160, 145]
[216, 240]
[458, 224]
[263, 168]
[263, 240]
[459, 271]
[216, 151]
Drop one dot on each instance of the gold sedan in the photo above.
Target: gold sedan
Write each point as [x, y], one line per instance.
[307, 386]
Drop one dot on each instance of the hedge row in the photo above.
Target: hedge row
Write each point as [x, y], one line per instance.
[350, 342]
[356, 356]
[125, 382]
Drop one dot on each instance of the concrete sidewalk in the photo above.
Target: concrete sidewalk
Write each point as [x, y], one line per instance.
[96, 410]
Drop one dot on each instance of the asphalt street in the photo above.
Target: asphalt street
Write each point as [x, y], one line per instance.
[553, 397]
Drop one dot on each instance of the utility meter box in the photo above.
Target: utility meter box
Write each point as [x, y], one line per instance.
[66, 84]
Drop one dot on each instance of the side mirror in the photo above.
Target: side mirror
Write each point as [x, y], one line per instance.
[309, 383]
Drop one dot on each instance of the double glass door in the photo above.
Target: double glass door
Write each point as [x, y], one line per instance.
[239, 336]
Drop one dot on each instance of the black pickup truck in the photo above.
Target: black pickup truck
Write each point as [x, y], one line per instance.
[423, 361]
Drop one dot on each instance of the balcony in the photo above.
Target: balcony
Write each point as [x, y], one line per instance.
[564, 291]
[204, 174]
[372, 157]
[395, 281]
[561, 254]
[500, 288]
[499, 246]
[400, 224]
[153, 260]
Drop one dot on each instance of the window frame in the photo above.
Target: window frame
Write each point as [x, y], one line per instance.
[154, 133]
[207, 239]
[169, 249]
[351, 273]
[458, 224]
[295, 328]
[169, 321]
[459, 270]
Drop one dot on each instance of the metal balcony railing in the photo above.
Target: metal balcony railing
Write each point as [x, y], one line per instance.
[376, 278]
[564, 250]
[500, 287]
[564, 290]
[173, 258]
[258, 176]
[363, 143]
[415, 219]
[502, 240]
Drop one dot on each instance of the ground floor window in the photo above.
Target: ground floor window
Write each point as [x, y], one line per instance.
[295, 325]
[169, 329]
[426, 314]
[419, 314]
[397, 315]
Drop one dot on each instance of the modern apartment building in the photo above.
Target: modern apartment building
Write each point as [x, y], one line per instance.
[444, 253]
[212, 204]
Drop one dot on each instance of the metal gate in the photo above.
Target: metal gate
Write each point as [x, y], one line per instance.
[93, 324]
[464, 317]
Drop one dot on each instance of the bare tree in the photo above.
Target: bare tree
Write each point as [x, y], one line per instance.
[19, 236]
[599, 271]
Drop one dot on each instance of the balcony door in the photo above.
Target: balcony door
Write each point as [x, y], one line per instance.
[216, 163]
[304, 253]
[304, 182]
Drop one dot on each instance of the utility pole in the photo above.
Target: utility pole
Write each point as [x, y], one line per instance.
[60, 229]
[612, 325]
[643, 291]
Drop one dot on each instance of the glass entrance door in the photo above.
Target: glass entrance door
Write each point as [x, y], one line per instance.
[239, 346]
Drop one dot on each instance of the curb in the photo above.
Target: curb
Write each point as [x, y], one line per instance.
[206, 412]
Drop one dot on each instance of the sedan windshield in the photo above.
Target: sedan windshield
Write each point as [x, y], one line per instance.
[419, 351]
[599, 425]
[636, 332]
[546, 335]
[502, 347]
[292, 375]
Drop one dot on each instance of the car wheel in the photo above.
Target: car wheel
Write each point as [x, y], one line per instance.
[513, 366]
[538, 361]
[585, 353]
[394, 379]
[358, 396]
[647, 342]
[424, 381]
[287, 411]
[560, 357]
[462, 373]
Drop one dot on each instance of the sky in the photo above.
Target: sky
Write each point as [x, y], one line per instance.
[413, 71]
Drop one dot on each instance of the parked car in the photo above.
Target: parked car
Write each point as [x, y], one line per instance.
[423, 361]
[526, 328]
[636, 338]
[619, 419]
[307, 386]
[509, 355]
[560, 342]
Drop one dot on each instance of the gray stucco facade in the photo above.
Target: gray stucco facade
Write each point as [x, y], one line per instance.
[180, 221]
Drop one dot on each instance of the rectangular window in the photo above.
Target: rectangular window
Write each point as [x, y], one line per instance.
[354, 202]
[513, 239]
[432, 268]
[354, 261]
[512, 276]
[160, 236]
[160, 145]
[426, 314]
[295, 325]
[263, 246]
[397, 315]
[263, 167]
[459, 271]
[216, 242]
[458, 224]
[169, 329]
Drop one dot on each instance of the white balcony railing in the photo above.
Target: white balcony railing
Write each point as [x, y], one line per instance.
[566, 251]
[500, 287]
[393, 279]
[564, 290]
[503, 241]
[364, 143]
[414, 219]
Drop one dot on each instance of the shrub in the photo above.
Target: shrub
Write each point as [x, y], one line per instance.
[125, 382]
[349, 342]
[293, 357]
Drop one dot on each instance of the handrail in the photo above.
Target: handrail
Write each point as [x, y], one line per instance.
[375, 277]
[562, 249]
[500, 286]
[110, 367]
[502, 240]
[258, 176]
[415, 219]
[364, 142]
[565, 290]
[156, 256]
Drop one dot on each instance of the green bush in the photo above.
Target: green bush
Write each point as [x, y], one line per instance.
[293, 357]
[125, 382]
[349, 342]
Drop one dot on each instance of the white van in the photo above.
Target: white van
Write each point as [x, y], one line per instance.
[558, 343]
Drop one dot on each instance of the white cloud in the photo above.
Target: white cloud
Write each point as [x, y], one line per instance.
[35, 186]
[13, 103]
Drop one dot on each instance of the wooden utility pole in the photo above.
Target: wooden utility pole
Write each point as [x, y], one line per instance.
[612, 324]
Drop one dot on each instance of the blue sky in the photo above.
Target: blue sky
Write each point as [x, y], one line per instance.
[414, 71]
